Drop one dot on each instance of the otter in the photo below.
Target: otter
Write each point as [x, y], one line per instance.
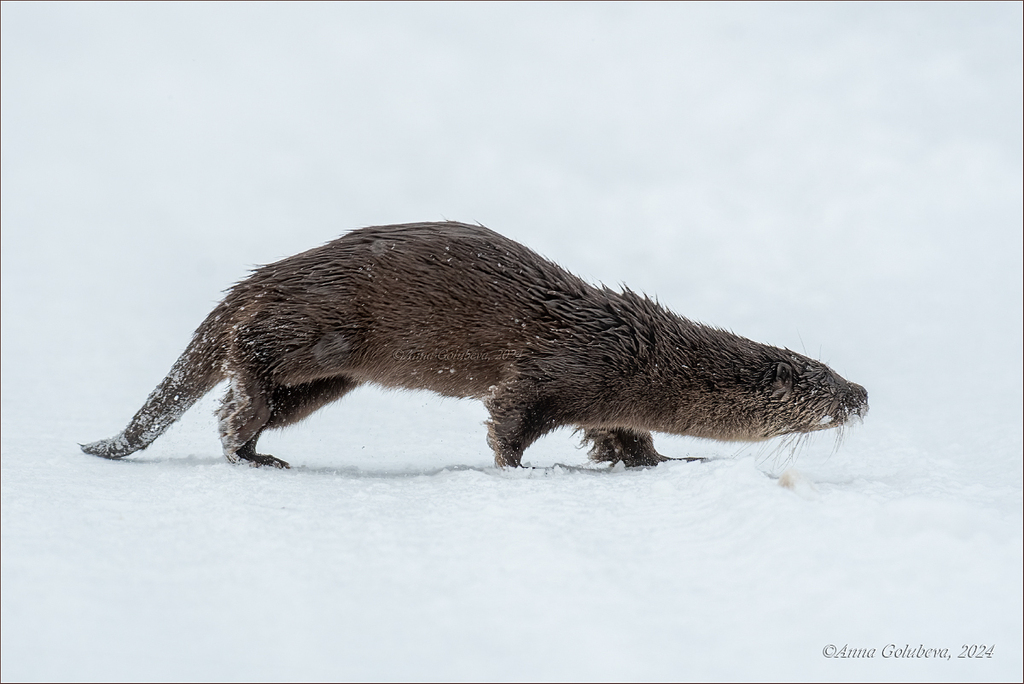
[465, 312]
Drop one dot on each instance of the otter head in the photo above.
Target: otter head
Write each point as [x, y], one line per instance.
[731, 388]
[800, 395]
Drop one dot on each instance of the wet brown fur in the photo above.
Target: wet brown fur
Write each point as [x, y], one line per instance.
[465, 312]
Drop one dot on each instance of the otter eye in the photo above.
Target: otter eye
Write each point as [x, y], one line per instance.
[782, 386]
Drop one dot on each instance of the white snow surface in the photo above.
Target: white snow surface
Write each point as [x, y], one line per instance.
[842, 180]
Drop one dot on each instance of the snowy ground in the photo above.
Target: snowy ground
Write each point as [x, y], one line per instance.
[844, 180]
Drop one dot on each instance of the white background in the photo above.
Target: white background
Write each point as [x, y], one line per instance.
[843, 180]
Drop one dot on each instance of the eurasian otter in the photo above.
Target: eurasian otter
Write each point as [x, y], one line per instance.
[466, 312]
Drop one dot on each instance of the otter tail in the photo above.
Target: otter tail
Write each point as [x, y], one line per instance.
[194, 374]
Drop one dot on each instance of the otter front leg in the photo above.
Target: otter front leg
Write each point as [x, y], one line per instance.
[632, 447]
[519, 416]
[243, 415]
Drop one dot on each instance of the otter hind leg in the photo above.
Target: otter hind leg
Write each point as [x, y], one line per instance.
[242, 416]
[249, 408]
[633, 447]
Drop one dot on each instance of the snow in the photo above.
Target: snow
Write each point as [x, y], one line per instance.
[844, 180]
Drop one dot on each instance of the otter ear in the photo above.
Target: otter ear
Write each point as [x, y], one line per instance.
[782, 386]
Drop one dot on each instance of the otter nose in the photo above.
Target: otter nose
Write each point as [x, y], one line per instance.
[858, 400]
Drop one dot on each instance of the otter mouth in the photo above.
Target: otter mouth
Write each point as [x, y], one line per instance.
[829, 422]
[842, 414]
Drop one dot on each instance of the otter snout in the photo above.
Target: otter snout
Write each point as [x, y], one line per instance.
[850, 404]
[858, 401]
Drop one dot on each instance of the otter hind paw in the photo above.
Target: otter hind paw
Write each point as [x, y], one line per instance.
[248, 453]
[258, 460]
